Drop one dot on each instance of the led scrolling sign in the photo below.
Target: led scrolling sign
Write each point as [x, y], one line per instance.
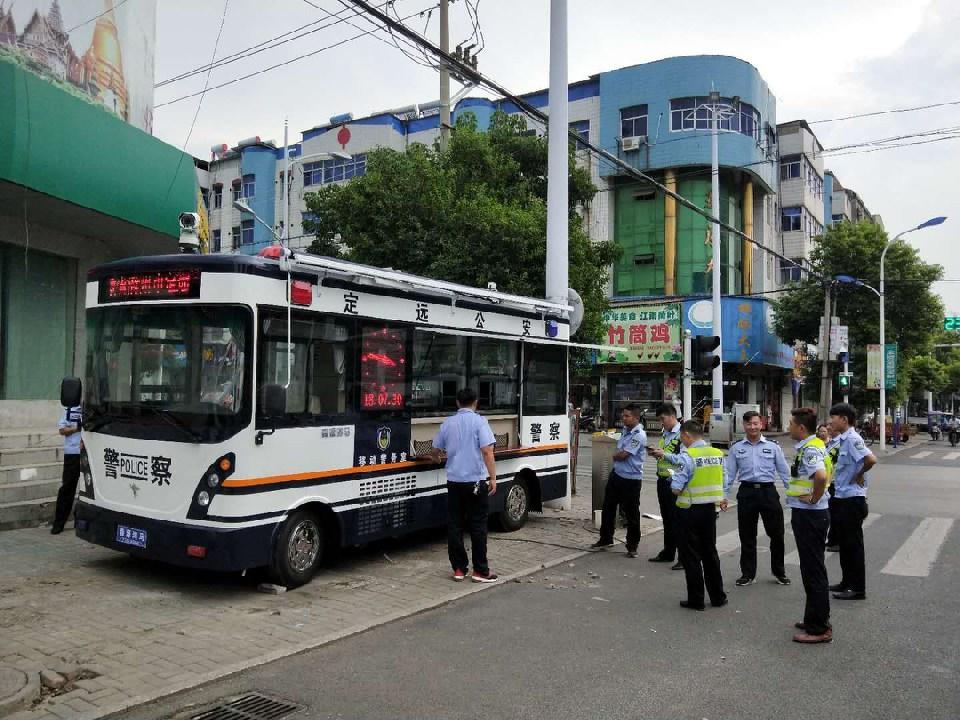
[158, 285]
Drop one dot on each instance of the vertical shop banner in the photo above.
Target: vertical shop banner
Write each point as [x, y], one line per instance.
[647, 333]
[100, 50]
[889, 369]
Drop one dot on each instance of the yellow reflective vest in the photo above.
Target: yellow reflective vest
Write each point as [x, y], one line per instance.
[706, 485]
[800, 486]
[672, 448]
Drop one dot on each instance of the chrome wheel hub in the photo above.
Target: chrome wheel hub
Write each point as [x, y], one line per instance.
[304, 545]
[516, 502]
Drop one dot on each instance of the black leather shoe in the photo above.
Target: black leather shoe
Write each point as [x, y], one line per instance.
[800, 626]
[721, 603]
[839, 587]
[849, 595]
[690, 606]
[601, 545]
[661, 558]
[56, 529]
[677, 566]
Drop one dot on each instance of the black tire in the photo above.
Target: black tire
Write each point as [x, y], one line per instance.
[516, 507]
[298, 549]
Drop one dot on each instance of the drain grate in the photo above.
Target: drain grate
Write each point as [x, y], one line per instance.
[249, 707]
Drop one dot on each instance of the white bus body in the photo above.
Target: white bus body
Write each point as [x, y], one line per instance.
[185, 465]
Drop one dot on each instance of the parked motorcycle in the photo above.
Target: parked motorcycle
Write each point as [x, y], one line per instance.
[934, 432]
[588, 422]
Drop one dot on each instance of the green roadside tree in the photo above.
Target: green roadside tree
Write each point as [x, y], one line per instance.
[473, 214]
[914, 313]
[926, 374]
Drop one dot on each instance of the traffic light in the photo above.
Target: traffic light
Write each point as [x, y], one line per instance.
[845, 380]
[703, 361]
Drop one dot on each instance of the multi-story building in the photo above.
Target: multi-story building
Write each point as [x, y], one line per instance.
[843, 204]
[801, 194]
[656, 117]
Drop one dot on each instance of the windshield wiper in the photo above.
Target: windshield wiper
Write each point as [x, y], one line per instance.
[169, 418]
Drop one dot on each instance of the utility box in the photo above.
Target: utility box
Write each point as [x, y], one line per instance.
[721, 428]
[604, 446]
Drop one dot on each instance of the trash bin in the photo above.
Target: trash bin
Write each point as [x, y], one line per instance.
[604, 446]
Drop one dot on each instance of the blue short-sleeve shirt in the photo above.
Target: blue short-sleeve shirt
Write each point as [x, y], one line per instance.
[759, 462]
[461, 436]
[70, 418]
[851, 453]
[634, 443]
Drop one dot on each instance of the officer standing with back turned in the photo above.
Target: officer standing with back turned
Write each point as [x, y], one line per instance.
[756, 462]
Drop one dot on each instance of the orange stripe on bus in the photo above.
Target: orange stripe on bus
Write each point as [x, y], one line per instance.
[274, 479]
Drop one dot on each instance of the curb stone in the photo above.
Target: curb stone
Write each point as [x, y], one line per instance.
[28, 691]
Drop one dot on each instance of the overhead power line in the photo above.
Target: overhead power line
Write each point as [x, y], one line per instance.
[470, 73]
[96, 17]
[885, 112]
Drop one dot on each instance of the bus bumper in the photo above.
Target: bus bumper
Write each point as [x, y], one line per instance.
[224, 549]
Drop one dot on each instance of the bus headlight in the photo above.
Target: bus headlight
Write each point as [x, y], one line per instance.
[213, 480]
[203, 498]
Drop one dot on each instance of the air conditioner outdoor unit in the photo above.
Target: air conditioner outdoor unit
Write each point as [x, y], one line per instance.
[632, 143]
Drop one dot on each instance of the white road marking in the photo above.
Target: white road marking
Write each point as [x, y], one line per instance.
[919, 455]
[794, 558]
[918, 553]
[951, 456]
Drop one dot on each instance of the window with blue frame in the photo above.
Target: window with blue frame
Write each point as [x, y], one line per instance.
[633, 121]
[308, 221]
[334, 170]
[249, 186]
[582, 129]
[693, 113]
[791, 219]
[216, 241]
[246, 232]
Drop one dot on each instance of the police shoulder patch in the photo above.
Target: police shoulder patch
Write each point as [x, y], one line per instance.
[811, 456]
[859, 445]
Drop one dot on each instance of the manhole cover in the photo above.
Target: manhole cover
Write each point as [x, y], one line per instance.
[249, 707]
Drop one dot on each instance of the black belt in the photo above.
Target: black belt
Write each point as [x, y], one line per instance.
[663, 477]
[757, 486]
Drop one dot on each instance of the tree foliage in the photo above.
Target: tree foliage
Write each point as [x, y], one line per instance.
[914, 313]
[473, 214]
[925, 373]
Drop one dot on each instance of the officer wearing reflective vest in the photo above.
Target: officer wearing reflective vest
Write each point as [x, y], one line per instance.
[807, 498]
[698, 487]
[669, 443]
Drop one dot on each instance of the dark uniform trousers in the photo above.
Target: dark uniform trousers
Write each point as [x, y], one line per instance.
[470, 510]
[68, 489]
[832, 532]
[697, 543]
[759, 501]
[623, 493]
[810, 533]
[668, 511]
[850, 514]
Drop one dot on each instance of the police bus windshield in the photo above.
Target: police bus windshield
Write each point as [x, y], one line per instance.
[174, 373]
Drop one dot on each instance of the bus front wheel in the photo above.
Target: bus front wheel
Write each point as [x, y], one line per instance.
[516, 507]
[298, 550]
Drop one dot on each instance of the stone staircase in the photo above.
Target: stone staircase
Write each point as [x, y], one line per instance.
[31, 462]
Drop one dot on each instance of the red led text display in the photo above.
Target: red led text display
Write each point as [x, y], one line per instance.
[160, 285]
[383, 369]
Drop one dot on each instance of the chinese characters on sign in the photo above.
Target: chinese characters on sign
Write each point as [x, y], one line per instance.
[873, 366]
[648, 334]
[155, 468]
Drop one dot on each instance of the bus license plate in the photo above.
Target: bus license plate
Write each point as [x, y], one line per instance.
[131, 536]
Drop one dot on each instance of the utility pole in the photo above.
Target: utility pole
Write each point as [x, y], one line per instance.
[285, 235]
[715, 226]
[687, 376]
[444, 75]
[826, 385]
[557, 271]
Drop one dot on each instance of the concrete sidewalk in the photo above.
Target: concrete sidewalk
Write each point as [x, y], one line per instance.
[120, 632]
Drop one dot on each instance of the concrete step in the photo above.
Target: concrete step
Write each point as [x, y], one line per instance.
[30, 456]
[27, 491]
[30, 438]
[35, 471]
[29, 513]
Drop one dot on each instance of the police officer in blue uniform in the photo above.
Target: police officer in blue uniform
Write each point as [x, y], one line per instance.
[623, 485]
[757, 463]
[70, 428]
[853, 461]
[670, 444]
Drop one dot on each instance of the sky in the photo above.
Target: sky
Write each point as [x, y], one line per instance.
[821, 58]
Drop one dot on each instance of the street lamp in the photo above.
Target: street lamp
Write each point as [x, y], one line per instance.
[883, 336]
[242, 206]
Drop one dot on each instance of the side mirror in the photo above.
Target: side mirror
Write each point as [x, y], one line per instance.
[274, 400]
[71, 392]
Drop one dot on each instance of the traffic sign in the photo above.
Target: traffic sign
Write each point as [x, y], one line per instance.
[951, 323]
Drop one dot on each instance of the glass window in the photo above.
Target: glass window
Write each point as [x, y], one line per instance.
[791, 219]
[544, 379]
[216, 241]
[439, 371]
[633, 121]
[791, 271]
[582, 129]
[334, 170]
[246, 232]
[217, 196]
[234, 237]
[383, 368]
[249, 186]
[790, 167]
[237, 190]
[493, 373]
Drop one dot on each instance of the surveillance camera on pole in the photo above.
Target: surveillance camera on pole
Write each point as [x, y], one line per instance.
[189, 233]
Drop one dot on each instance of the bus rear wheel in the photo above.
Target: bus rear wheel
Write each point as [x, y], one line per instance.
[298, 550]
[516, 507]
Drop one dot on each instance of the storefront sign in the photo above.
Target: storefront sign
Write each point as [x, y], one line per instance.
[647, 333]
[748, 336]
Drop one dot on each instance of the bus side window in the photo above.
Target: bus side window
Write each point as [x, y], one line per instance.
[544, 379]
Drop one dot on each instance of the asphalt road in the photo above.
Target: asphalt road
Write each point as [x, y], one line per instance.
[604, 637]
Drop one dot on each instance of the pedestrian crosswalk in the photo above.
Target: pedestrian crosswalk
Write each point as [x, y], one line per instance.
[915, 557]
[951, 456]
[920, 455]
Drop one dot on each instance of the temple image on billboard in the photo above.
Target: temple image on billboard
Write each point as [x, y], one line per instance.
[45, 45]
